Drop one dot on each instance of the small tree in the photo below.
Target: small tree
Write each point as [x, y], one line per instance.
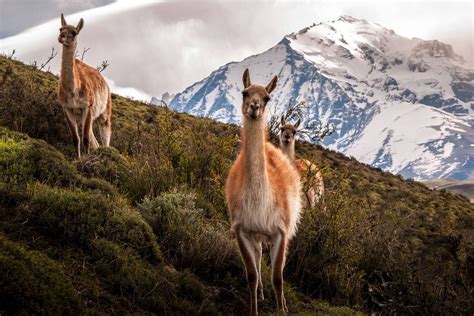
[313, 132]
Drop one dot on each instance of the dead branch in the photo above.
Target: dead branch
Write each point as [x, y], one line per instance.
[314, 132]
[103, 66]
[11, 55]
[84, 51]
[50, 57]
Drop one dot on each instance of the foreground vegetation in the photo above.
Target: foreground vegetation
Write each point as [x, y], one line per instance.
[142, 227]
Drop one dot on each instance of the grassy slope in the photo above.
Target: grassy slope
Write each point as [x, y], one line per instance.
[115, 251]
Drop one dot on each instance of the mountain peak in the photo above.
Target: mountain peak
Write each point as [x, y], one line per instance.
[344, 28]
[396, 103]
[333, 24]
[350, 19]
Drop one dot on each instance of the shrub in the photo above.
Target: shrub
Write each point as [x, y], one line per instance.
[23, 159]
[13, 167]
[108, 164]
[81, 217]
[158, 289]
[188, 239]
[32, 283]
[38, 113]
[105, 163]
[382, 257]
[324, 253]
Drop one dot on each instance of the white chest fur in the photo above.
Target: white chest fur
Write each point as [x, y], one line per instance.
[258, 213]
[75, 102]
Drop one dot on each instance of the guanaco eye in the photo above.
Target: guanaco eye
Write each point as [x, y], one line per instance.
[245, 94]
[266, 98]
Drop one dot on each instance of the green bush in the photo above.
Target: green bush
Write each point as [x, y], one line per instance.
[326, 250]
[23, 159]
[32, 283]
[158, 289]
[365, 253]
[38, 113]
[106, 163]
[13, 167]
[188, 239]
[81, 217]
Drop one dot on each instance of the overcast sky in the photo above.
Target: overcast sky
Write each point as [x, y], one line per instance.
[18, 15]
[168, 45]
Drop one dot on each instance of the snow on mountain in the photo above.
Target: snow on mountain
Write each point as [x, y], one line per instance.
[164, 100]
[404, 105]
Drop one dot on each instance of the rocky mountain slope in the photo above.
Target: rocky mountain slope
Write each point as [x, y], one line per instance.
[464, 187]
[404, 105]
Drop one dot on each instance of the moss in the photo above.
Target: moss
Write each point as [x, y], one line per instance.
[23, 159]
[159, 289]
[81, 216]
[49, 165]
[106, 163]
[127, 274]
[14, 170]
[321, 308]
[32, 283]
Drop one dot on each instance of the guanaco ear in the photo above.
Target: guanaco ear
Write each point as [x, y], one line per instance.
[282, 120]
[246, 78]
[63, 20]
[271, 86]
[297, 123]
[80, 25]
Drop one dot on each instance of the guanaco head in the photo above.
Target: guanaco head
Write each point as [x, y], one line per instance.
[255, 97]
[288, 132]
[68, 33]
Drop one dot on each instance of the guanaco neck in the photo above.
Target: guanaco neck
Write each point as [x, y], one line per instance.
[67, 68]
[288, 150]
[254, 152]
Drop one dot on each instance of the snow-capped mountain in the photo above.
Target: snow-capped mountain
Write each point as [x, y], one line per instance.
[404, 105]
[164, 100]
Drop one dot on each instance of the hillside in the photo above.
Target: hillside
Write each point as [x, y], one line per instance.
[142, 227]
[403, 105]
[464, 187]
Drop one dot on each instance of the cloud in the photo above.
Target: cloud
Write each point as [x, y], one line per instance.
[167, 46]
[18, 15]
[129, 92]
